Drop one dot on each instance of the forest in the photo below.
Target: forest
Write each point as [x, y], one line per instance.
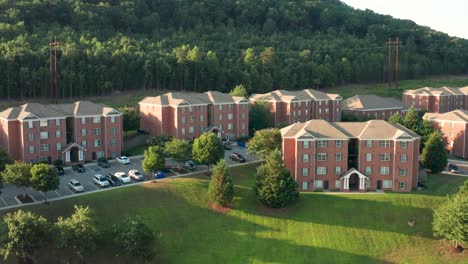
[109, 46]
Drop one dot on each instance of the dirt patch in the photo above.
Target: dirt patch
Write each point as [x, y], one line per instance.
[220, 209]
[457, 250]
[25, 199]
[265, 210]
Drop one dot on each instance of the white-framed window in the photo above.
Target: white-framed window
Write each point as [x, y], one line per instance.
[326, 110]
[305, 144]
[44, 147]
[403, 145]
[59, 146]
[368, 171]
[112, 119]
[402, 185]
[30, 124]
[113, 142]
[43, 123]
[32, 149]
[337, 171]
[452, 124]
[97, 119]
[83, 132]
[97, 143]
[338, 156]
[244, 106]
[230, 106]
[220, 126]
[320, 111]
[113, 131]
[182, 120]
[243, 116]
[384, 170]
[202, 118]
[321, 170]
[182, 109]
[243, 126]
[322, 143]
[337, 184]
[384, 156]
[30, 137]
[57, 122]
[305, 157]
[220, 116]
[452, 134]
[230, 126]
[97, 131]
[190, 109]
[403, 172]
[220, 107]
[191, 130]
[44, 135]
[369, 143]
[99, 154]
[202, 128]
[58, 134]
[319, 184]
[387, 184]
[368, 156]
[230, 116]
[182, 131]
[305, 172]
[403, 157]
[192, 119]
[322, 156]
[113, 154]
[298, 112]
[43, 158]
[305, 186]
[83, 120]
[384, 143]
[84, 144]
[339, 143]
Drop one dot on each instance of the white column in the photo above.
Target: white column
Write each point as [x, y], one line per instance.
[346, 183]
[67, 156]
[80, 155]
[361, 183]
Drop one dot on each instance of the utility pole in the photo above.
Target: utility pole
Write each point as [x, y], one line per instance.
[390, 43]
[53, 69]
[397, 43]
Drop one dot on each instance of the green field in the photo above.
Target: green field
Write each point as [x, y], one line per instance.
[319, 228]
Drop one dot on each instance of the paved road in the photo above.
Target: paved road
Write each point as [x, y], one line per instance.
[7, 197]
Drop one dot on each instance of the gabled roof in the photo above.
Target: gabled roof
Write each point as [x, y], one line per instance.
[435, 91]
[371, 102]
[290, 96]
[189, 98]
[456, 115]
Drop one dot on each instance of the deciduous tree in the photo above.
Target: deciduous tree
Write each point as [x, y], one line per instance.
[239, 90]
[4, 159]
[207, 149]
[44, 178]
[434, 155]
[259, 113]
[153, 160]
[264, 142]
[19, 174]
[178, 149]
[451, 219]
[134, 238]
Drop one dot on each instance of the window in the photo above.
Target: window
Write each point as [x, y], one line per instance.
[369, 143]
[337, 171]
[192, 119]
[182, 120]
[97, 131]
[182, 109]
[402, 185]
[97, 143]
[44, 135]
[452, 134]
[243, 116]
[322, 143]
[305, 172]
[190, 109]
[191, 129]
[368, 171]
[43, 123]
[305, 144]
[229, 116]
[318, 184]
[202, 118]
[83, 120]
[112, 119]
[403, 172]
[43, 158]
[57, 122]
[230, 106]
[321, 156]
[244, 106]
[31, 137]
[44, 147]
[384, 156]
[113, 131]
[337, 184]
[31, 149]
[182, 131]
[321, 170]
[30, 124]
[384, 170]
[384, 143]
[403, 144]
[243, 126]
[298, 112]
[403, 157]
[99, 154]
[339, 143]
[113, 142]
[387, 184]
[305, 185]
[202, 129]
[84, 144]
[368, 156]
[338, 157]
[220, 116]
[220, 126]
[305, 157]
[220, 107]
[59, 146]
[453, 124]
[230, 126]
[58, 134]
[97, 119]
[83, 132]
[113, 154]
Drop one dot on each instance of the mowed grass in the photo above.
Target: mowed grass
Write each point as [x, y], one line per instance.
[319, 228]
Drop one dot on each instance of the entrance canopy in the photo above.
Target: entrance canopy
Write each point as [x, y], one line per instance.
[363, 179]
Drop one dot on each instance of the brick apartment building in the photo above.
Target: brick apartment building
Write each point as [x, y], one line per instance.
[351, 156]
[437, 100]
[289, 107]
[187, 115]
[453, 126]
[74, 133]
[372, 107]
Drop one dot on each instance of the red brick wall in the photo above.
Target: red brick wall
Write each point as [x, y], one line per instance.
[455, 135]
[376, 114]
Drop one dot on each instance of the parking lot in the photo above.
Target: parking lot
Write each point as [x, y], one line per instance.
[7, 198]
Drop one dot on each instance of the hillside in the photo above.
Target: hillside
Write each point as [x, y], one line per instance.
[114, 45]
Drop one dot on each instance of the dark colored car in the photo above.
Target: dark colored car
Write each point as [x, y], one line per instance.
[237, 157]
[227, 145]
[453, 168]
[103, 163]
[113, 181]
[60, 170]
[189, 165]
[78, 168]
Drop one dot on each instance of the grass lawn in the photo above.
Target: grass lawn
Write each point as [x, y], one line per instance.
[319, 228]
[139, 150]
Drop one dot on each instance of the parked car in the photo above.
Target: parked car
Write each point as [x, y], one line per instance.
[60, 170]
[75, 185]
[453, 168]
[103, 162]
[123, 160]
[136, 175]
[78, 168]
[113, 180]
[123, 177]
[227, 145]
[189, 165]
[236, 157]
[100, 180]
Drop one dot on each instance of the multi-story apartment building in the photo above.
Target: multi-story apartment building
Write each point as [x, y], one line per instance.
[437, 100]
[73, 133]
[453, 126]
[372, 107]
[288, 107]
[188, 115]
[352, 156]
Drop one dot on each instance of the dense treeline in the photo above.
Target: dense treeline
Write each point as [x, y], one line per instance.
[115, 45]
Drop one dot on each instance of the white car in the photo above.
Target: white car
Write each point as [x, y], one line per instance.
[75, 186]
[123, 177]
[123, 160]
[136, 175]
[100, 180]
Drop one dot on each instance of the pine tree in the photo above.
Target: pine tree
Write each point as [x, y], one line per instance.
[434, 155]
[396, 118]
[412, 120]
[221, 189]
[274, 186]
[239, 90]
